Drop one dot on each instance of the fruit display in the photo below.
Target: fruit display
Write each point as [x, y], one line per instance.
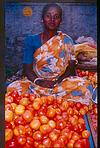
[41, 122]
[92, 76]
[93, 115]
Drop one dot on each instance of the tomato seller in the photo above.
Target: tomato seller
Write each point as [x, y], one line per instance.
[49, 61]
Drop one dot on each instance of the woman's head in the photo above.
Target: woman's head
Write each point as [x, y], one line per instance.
[52, 16]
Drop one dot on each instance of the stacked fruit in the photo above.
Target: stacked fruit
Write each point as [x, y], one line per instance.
[33, 122]
[93, 114]
[91, 76]
[82, 73]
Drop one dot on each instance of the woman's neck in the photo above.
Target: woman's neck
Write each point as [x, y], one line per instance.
[50, 33]
[46, 35]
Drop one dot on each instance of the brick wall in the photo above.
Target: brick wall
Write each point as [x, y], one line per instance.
[78, 20]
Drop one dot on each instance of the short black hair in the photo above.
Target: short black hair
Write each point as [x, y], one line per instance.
[46, 7]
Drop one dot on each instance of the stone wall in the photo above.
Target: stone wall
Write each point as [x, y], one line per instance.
[78, 20]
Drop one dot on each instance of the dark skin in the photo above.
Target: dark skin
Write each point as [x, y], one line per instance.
[51, 22]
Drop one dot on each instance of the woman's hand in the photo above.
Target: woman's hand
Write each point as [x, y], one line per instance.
[45, 83]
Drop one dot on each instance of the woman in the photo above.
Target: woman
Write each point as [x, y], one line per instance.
[52, 17]
[49, 60]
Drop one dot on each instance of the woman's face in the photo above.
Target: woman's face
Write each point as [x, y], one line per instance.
[52, 18]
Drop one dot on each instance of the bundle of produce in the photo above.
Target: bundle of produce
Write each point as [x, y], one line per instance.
[86, 54]
[32, 122]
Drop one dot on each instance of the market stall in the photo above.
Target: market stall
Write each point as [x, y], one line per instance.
[48, 121]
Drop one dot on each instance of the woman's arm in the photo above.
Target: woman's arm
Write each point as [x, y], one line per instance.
[28, 71]
[32, 76]
[70, 71]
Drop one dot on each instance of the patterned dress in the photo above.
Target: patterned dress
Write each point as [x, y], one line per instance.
[50, 62]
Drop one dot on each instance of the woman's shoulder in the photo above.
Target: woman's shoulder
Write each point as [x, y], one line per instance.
[32, 36]
[67, 38]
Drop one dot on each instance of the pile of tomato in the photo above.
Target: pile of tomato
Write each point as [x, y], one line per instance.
[44, 122]
[82, 73]
[93, 114]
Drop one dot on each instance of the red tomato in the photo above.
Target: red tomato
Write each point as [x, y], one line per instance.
[58, 111]
[19, 130]
[8, 134]
[8, 125]
[45, 128]
[19, 121]
[42, 110]
[53, 135]
[21, 139]
[86, 73]
[35, 124]
[95, 110]
[30, 108]
[58, 117]
[52, 123]
[75, 136]
[64, 106]
[43, 119]
[36, 105]
[30, 141]
[37, 143]
[85, 134]
[73, 121]
[51, 112]
[70, 111]
[78, 70]
[62, 138]
[41, 146]
[86, 108]
[27, 146]
[37, 135]
[45, 136]
[75, 116]
[8, 99]
[32, 97]
[65, 132]
[28, 130]
[70, 144]
[27, 115]
[58, 144]
[25, 94]
[50, 100]
[24, 101]
[81, 120]
[65, 116]
[78, 144]
[20, 109]
[13, 106]
[71, 103]
[8, 107]
[47, 142]
[76, 128]
[80, 74]
[76, 112]
[17, 99]
[59, 100]
[12, 143]
[82, 111]
[78, 105]
[86, 142]
[14, 94]
[38, 100]
[69, 126]
[60, 124]
[81, 127]
[8, 115]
